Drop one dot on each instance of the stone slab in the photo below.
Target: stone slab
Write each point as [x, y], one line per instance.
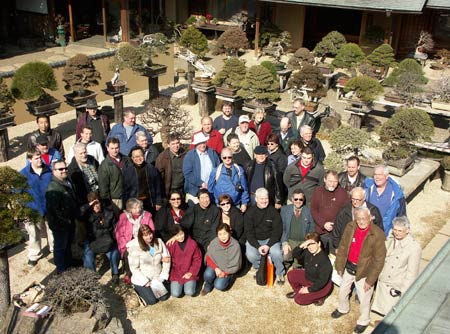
[434, 246]
[445, 230]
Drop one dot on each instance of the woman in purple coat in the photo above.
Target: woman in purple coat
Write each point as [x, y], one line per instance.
[186, 259]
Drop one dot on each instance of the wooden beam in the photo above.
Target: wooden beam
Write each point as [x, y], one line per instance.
[104, 21]
[124, 20]
[73, 36]
[258, 13]
[362, 30]
[301, 33]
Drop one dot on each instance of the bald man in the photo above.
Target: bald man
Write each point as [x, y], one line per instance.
[286, 135]
[215, 140]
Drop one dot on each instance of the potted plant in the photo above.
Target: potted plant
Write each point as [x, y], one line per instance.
[382, 57]
[300, 57]
[30, 82]
[259, 88]
[80, 74]
[277, 47]
[442, 94]
[328, 46]
[311, 78]
[444, 60]
[445, 163]
[348, 57]
[6, 103]
[406, 80]
[232, 40]
[404, 127]
[192, 20]
[229, 80]
[366, 89]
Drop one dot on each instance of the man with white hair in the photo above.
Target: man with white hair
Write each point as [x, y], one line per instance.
[263, 229]
[400, 268]
[150, 150]
[248, 139]
[383, 192]
[286, 135]
[306, 136]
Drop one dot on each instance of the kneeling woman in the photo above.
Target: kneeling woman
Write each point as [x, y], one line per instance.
[149, 262]
[223, 259]
[186, 259]
[312, 284]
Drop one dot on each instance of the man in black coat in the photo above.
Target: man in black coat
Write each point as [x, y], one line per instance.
[299, 116]
[352, 178]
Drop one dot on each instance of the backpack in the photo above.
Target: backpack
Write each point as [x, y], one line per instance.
[219, 170]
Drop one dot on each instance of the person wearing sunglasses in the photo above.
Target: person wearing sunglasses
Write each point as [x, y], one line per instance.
[169, 215]
[297, 223]
[62, 211]
[231, 216]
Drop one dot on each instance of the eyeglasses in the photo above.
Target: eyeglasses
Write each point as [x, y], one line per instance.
[224, 203]
[176, 199]
[61, 169]
[299, 200]
[271, 144]
[357, 199]
[226, 158]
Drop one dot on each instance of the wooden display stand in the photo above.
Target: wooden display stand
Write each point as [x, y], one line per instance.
[205, 99]
[118, 102]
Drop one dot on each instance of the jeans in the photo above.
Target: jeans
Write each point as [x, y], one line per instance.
[176, 289]
[89, 258]
[275, 254]
[62, 249]
[147, 295]
[212, 281]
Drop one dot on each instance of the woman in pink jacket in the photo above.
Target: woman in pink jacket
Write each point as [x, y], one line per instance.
[260, 126]
[127, 229]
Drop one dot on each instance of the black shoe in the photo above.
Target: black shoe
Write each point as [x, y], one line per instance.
[290, 295]
[336, 314]
[115, 279]
[319, 302]
[359, 329]
[32, 263]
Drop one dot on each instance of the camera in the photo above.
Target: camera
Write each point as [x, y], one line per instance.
[238, 187]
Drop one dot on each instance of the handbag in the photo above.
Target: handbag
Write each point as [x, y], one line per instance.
[261, 274]
[102, 244]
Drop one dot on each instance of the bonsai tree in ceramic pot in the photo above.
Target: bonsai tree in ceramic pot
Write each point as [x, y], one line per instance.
[382, 57]
[348, 57]
[229, 80]
[259, 87]
[366, 89]
[405, 126]
[407, 79]
[232, 40]
[30, 82]
[80, 74]
[445, 163]
[7, 100]
[329, 45]
[442, 94]
[311, 78]
[301, 57]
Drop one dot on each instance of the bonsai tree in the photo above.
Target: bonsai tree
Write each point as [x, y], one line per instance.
[405, 126]
[311, 77]
[300, 57]
[7, 100]
[232, 40]
[259, 85]
[80, 73]
[366, 88]
[13, 210]
[348, 57]
[329, 45]
[31, 79]
[232, 74]
[407, 79]
[382, 56]
[270, 66]
[278, 46]
[442, 89]
[269, 32]
[195, 41]
[444, 56]
[162, 117]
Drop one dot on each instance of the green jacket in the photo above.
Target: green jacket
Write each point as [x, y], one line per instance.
[62, 207]
[110, 179]
[371, 258]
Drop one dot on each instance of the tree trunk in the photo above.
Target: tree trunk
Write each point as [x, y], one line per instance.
[5, 292]
[4, 144]
[190, 78]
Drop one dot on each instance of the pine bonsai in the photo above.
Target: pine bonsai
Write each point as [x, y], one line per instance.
[31, 79]
[311, 77]
[232, 74]
[193, 40]
[366, 88]
[407, 79]
[348, 57]
[7, 100]
[329, 45]
[80, 73]
[269, 32]
[259, 85]
[382, 56]
[301, 57]
[270, 66]
[232, 40]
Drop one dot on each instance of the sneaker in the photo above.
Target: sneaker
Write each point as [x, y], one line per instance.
[204, 292]
[115, 279]
[32, 263]
[319, 302]
[280, 280]
[127, 279]
[336, 314]
[360, 329]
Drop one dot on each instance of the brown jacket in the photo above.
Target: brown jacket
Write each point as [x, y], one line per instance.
[371, 258]
[164, 166]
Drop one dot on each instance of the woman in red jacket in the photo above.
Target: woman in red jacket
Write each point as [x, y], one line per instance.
[186, 259]
[260, 126]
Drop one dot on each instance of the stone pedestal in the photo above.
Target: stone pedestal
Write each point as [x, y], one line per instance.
[118, 103]
[283, 77]
[206, 98]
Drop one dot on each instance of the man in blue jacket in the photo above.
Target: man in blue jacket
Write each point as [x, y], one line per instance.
[126, 132]
[38, 176]
[383, 192]
[229, 178]
[197, 166]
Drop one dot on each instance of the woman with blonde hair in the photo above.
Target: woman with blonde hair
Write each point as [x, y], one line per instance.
[260, 126]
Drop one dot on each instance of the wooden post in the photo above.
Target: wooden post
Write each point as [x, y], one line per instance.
[153, 87]
[5, 291]
[124, 20]
[73, 36]
[4, 144]
[190, 78]
[203, 104]
[258, 12]
[356, 120]
[51, 21]
[104, 21]
[140, 16]
[301, 34]
[118, 109]
[362, 30]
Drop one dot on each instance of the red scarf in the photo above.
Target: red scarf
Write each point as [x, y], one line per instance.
[176, 218]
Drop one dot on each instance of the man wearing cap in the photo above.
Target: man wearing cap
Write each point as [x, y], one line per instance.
[48, 154]
[126, 132]
[93, 148]
[54, 138]
[197, 166]
[214, 137]
[262, 173]
[248, 138]
[227, 120]
[97, 121]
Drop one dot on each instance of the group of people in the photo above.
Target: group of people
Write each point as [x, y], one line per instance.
[184, 214]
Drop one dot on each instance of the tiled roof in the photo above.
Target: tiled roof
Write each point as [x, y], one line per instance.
[404, 6]
[439, 4]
